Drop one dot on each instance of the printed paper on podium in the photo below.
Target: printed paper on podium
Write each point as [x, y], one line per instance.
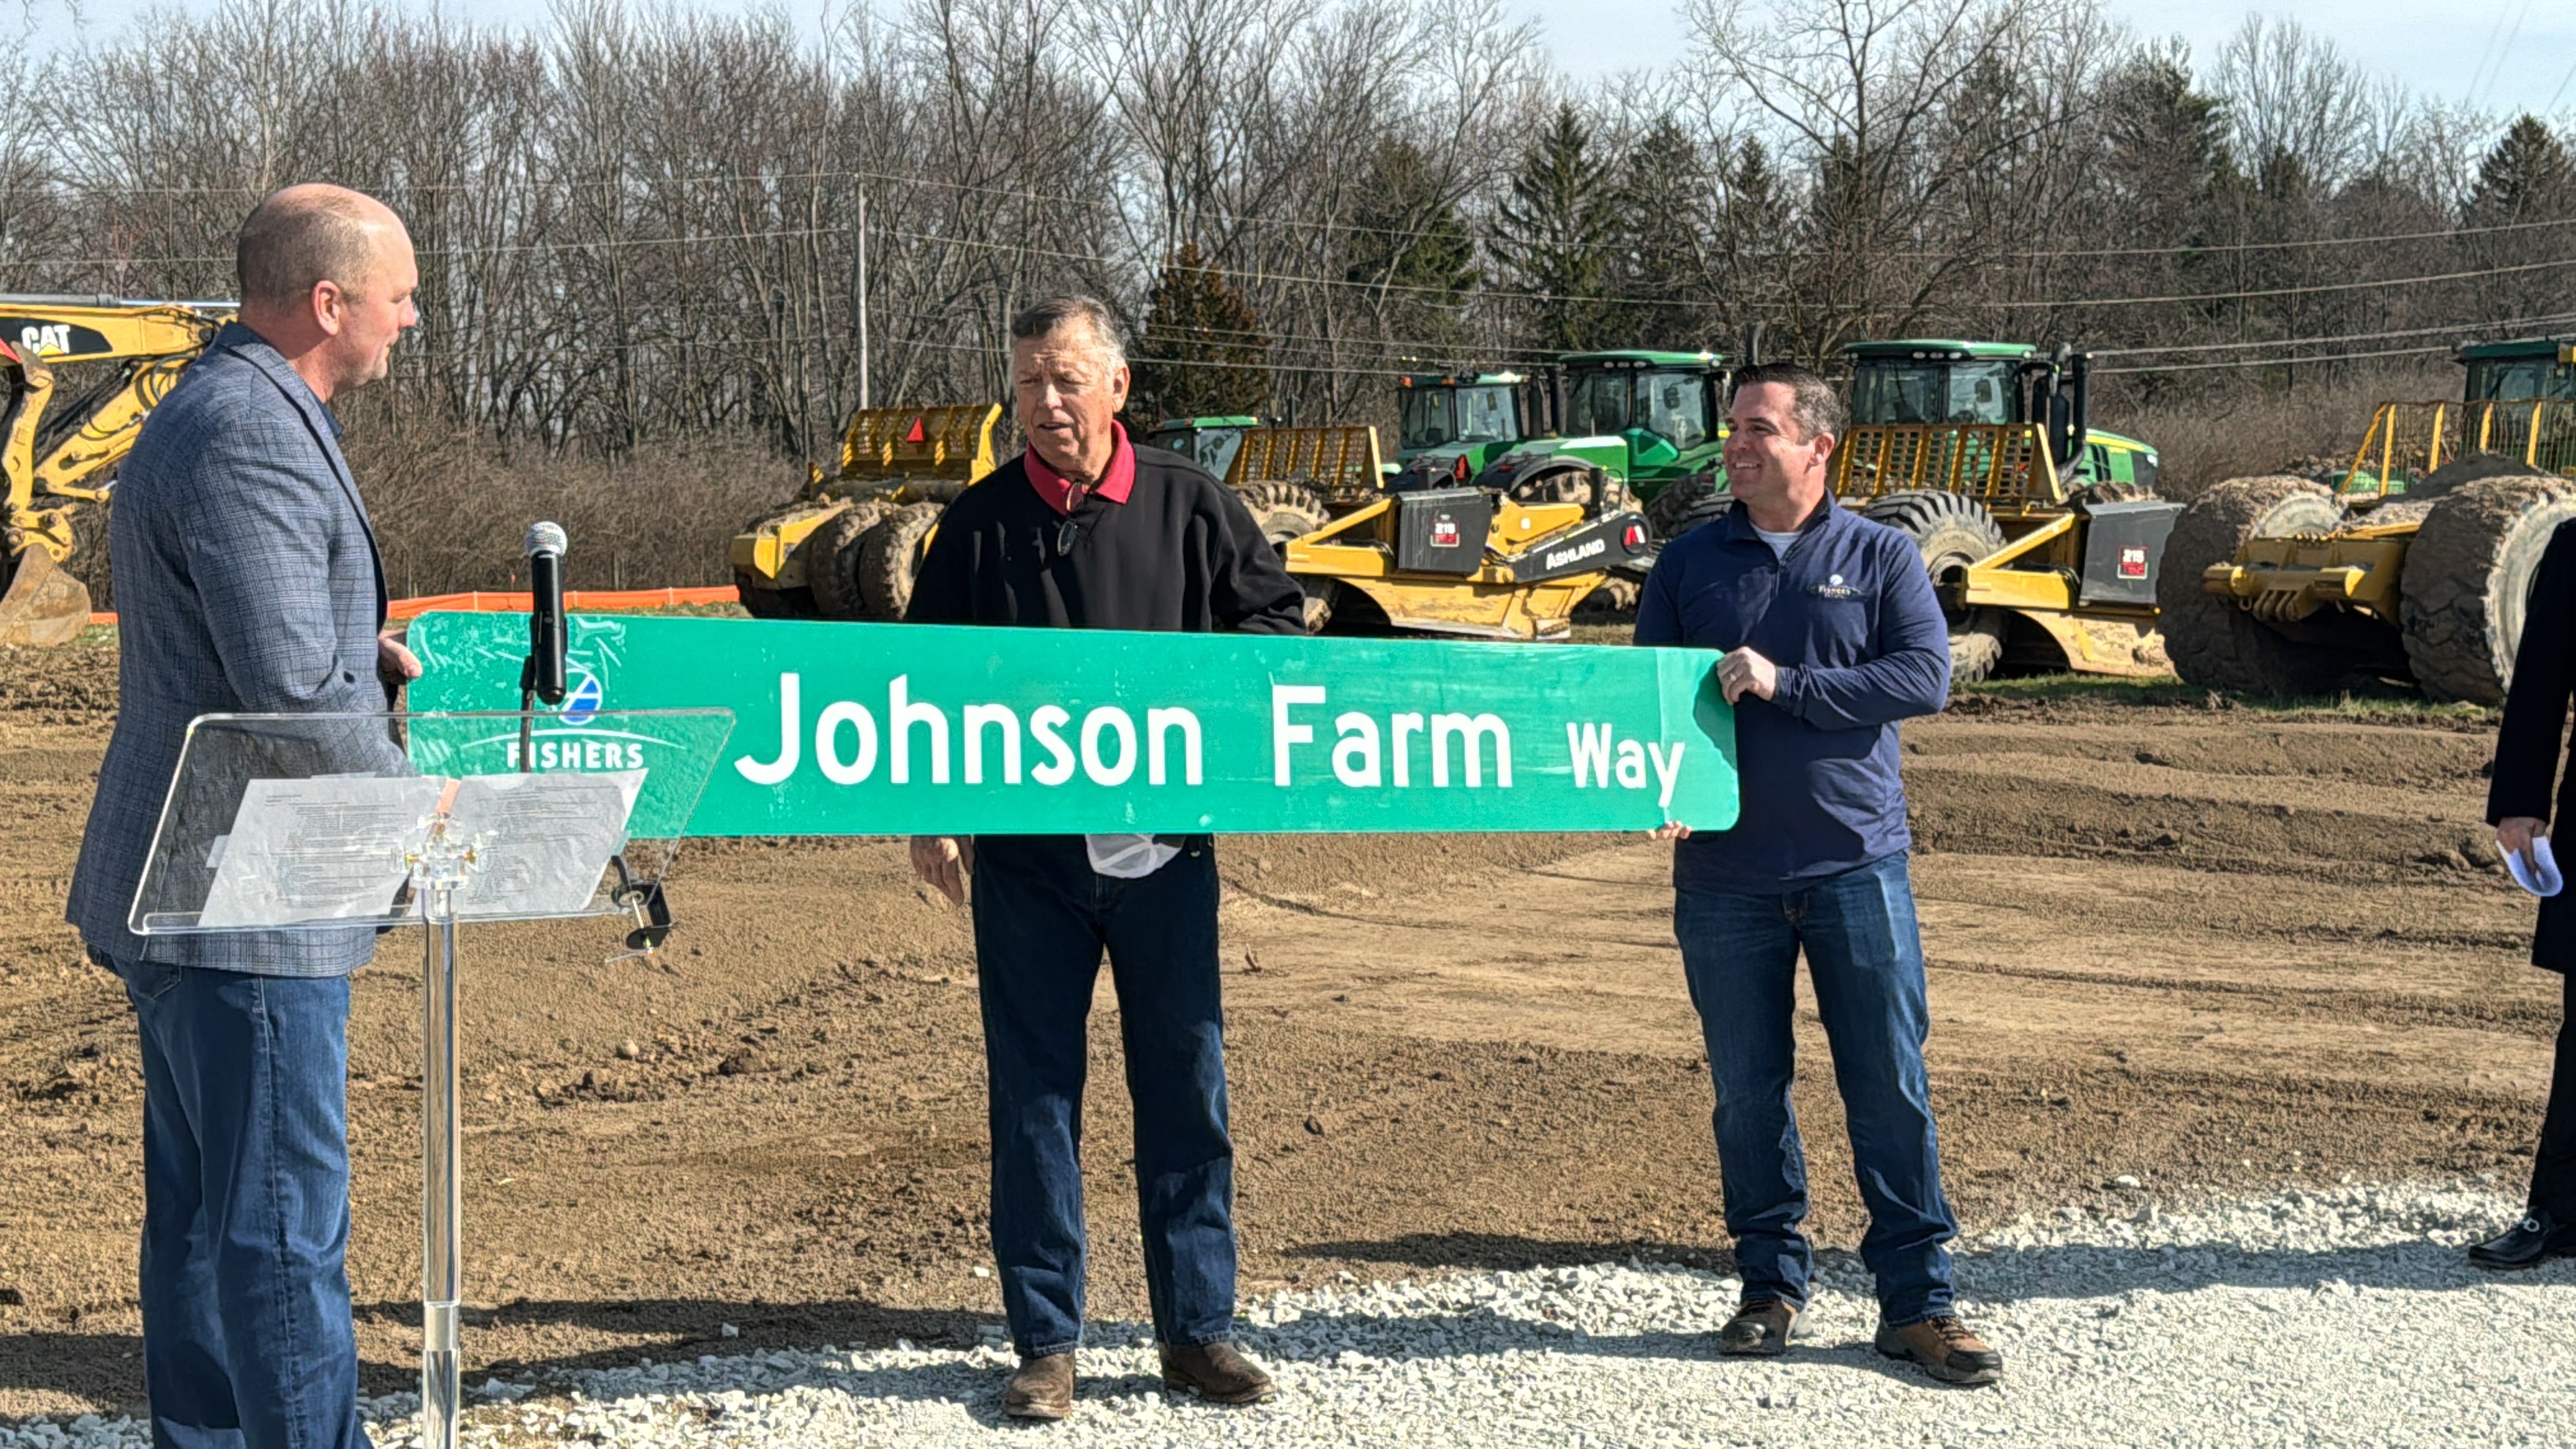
[329, 849]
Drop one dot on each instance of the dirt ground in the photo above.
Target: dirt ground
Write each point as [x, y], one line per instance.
[2206, 948]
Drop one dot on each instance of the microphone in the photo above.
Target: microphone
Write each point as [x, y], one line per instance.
[546, 546]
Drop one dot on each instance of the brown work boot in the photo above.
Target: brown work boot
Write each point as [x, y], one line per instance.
[1759, 1328]
[1944, 1348]
[1217, 1373]
[1041, 1387]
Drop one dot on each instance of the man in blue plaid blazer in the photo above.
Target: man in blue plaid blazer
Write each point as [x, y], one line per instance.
[247, 580]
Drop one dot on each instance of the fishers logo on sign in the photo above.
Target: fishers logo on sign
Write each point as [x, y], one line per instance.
[915, 729]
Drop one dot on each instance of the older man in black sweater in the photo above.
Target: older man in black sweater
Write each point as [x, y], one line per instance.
[1088, 531]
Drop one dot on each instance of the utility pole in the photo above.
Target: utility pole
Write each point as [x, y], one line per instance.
[859, 288]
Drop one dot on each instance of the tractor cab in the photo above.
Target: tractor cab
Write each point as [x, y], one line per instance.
[1450, 425]
[1931, 382]
[1665, 406]
[2522, 370]
[1634, 427]
[1209, 442]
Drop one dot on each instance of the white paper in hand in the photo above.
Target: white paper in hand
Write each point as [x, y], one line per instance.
[2537, 872]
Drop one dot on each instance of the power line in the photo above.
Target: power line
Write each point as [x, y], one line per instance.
[2246, 362]
[2455, 328]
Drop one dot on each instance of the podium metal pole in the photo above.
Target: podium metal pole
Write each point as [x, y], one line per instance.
[442, 1196]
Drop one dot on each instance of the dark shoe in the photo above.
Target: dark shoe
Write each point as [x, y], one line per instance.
[2531, 1242]
[1041, 1388]
[1216, 1373]
[1760, 1328]
[1944, 1348]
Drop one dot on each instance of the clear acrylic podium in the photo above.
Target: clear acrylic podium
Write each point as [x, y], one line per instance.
[359, 822]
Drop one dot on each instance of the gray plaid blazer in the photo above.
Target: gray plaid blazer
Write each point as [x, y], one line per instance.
[247, 580]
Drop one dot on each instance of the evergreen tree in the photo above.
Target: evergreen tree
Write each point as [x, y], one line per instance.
[1407, 236]
[1202, 352]
[1557, 236]
[1665, 202]
[2527, 177]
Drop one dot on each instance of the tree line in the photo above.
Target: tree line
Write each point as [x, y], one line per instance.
[637, 225]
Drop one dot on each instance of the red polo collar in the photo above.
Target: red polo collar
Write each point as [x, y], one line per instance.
[1116, 481]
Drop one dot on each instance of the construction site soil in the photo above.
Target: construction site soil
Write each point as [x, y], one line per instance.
[2184, 947]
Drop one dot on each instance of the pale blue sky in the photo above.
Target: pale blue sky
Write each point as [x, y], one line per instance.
[2506, 55]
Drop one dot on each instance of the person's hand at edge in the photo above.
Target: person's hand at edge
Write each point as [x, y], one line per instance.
[946, 861]
[2515, 833]
[1669, 830]
[396, 665]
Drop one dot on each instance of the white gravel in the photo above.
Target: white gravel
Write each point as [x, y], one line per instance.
[2337, 1317]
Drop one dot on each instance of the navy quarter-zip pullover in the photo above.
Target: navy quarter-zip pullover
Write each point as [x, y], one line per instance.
[1850, 617]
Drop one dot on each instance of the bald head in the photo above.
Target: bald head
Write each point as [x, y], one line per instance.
[305, 235]
[326, 278]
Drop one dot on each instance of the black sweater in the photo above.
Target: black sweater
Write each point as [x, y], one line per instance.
[1181, 554]
[2529, 746]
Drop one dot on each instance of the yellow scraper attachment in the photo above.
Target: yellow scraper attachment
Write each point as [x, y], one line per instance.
[44, 606]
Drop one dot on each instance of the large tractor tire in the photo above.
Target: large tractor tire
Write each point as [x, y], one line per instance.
[1683, 505]
[2211, 641]
[1283, 511]
[890, 556]
[1952, 531]
[832, 560]
[2468, 579]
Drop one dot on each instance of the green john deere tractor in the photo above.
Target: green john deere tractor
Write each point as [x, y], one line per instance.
[1637, 428]
[1449, 426]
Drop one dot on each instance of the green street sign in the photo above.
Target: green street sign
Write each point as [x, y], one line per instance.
[905, 729]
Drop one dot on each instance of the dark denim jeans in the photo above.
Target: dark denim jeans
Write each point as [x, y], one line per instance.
[1042, 919]
[1865, 957]
[247, 1341]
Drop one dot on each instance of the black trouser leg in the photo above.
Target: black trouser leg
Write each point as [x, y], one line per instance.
[2553, 1167]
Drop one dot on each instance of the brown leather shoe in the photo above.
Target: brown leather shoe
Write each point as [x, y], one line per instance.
[1217, 1373]
[1040, 1388]
[1760, 1328]
[1944, 1348]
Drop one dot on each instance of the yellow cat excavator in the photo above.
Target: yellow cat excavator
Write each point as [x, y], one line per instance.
[58, 452]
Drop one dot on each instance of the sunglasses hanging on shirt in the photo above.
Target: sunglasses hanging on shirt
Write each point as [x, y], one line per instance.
[1065, 534]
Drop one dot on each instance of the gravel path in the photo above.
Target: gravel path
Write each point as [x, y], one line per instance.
[2336, 1317]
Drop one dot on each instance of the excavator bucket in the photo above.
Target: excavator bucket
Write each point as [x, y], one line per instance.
[44, 606]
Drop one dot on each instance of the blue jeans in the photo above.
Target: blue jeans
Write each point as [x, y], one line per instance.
[1865, 957]
[1042, 919]
[247, 1339]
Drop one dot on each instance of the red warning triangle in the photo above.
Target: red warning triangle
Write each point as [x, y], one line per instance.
[915, 436]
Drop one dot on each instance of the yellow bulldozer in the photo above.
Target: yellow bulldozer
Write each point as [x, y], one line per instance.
[2415, 563]
[59, 452]
[850, 546]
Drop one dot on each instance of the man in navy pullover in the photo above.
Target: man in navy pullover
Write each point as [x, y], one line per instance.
[1830, 633]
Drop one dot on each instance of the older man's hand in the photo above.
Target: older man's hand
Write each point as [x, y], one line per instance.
[1744, 672]
[945, 861]
[2514, 833]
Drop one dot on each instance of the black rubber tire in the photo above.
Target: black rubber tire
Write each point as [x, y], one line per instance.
[1284, 511]
[1952, 531]
[2468, 578]
[890, 557]
[762, 602]
[832, 560]
[2211, 641]
[1684, 504]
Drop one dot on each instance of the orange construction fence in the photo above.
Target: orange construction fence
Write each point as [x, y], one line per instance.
[575, 601]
